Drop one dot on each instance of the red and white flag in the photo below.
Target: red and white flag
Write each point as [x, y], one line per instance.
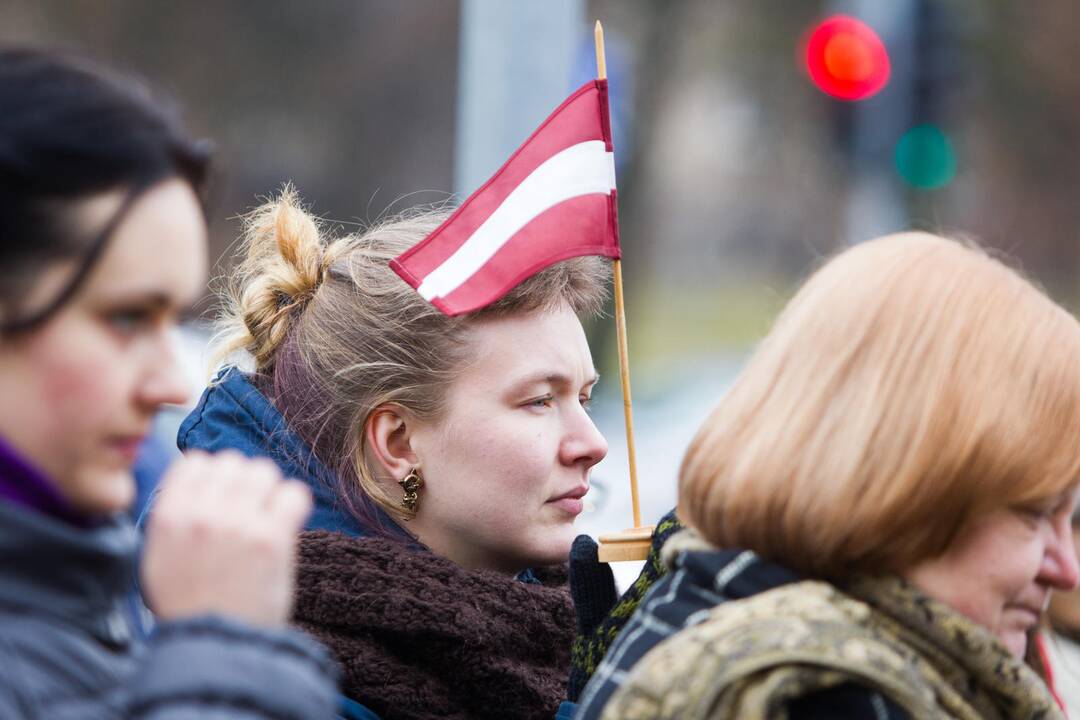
[553, 199]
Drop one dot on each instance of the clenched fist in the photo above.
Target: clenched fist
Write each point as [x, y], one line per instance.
[222, 539]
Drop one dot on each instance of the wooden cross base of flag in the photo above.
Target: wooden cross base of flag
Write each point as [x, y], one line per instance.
[630, 544]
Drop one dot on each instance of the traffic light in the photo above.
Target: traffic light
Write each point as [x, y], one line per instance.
[846, 59]
[925, 156]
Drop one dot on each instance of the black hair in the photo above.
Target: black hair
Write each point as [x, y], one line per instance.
[70, 129]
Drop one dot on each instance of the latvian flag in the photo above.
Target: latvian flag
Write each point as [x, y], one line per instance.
[553, 199]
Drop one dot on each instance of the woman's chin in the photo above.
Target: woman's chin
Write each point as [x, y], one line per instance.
[103, 491]
[1015, 640]
[556, 548]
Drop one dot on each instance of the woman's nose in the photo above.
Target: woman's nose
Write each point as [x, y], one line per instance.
[583, 443]
[164, 381]
[1059, 567]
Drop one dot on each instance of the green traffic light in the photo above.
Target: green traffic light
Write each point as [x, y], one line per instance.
[925, 157]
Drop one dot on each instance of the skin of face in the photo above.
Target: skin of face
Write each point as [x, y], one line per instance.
[80, 391]
[1065, 606]
[1003, 565]
[507, 465]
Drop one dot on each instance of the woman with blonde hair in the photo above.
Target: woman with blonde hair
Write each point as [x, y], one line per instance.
[879, 508]
[448, 457]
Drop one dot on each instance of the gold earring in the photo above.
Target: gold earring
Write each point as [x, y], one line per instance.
[411, 487]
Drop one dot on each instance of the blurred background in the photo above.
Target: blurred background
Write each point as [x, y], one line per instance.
[753, 138]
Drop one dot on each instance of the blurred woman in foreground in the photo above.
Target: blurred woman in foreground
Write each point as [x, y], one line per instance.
[104, 245]
[880, 507]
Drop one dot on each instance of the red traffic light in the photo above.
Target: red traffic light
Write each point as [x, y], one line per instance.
[846, 58]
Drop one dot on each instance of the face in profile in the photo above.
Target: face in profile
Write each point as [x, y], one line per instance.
[508, 465]
[80, 391]
[1002, 567]
[1065, 606]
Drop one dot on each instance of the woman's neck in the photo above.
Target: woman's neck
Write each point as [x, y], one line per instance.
[461, 553]
[24, 485]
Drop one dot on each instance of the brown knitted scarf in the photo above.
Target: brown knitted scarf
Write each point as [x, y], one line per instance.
[420, 637]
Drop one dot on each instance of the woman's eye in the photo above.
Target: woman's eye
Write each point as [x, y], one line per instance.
[128, 322]
[1039, 512]
[541, 402]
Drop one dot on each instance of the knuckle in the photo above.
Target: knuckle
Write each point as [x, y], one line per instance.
[266, 466]
[200, 528]
[294, 501]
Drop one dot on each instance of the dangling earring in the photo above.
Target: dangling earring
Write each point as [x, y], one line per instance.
[411, 487]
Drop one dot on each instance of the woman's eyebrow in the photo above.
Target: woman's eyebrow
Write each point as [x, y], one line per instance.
[149, 298]
[552, 378]
[152, 298]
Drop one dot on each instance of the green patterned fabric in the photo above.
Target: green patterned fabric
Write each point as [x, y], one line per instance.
[751, 658]
[589, 646]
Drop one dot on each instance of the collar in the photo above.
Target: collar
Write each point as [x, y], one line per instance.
[233, 414]
[24, 485]
[79, 575]
[734, 573]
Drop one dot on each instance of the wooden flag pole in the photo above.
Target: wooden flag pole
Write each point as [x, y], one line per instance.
[632, 544]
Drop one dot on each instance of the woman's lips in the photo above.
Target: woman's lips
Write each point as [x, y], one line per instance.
[127, 446]
[1031, 615]
[569, 505]
[571, 502]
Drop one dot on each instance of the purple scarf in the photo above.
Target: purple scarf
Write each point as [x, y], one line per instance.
[23, 484]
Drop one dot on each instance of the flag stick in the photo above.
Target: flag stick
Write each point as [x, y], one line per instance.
[632, 544]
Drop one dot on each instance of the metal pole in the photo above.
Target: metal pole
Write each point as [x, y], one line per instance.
[514, 67]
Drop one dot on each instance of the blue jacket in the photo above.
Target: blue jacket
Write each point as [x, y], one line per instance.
[233, 414]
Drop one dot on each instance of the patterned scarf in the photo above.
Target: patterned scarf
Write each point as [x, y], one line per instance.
[420, 637]
[751, 658]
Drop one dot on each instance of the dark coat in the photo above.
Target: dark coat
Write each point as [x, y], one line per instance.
[698, 582]
[70, 651]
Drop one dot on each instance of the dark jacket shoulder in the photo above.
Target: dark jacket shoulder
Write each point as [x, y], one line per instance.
[700, 579]
[70, 651]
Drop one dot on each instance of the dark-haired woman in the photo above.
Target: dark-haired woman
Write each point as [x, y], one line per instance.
[103, 246]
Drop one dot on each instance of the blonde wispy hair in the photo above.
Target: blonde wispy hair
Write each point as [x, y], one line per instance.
[912, 383]
[335, 333]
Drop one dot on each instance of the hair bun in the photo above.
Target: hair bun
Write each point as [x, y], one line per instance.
[282, 269]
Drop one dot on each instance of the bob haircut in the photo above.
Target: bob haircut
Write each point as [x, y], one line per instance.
[912, 383]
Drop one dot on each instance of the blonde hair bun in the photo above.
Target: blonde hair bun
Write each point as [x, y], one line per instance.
[281, 271]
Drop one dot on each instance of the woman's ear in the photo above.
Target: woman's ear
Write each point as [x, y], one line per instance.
[388, 437]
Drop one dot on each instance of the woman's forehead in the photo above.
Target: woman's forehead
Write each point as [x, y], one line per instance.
[157, 250]
[530, 347]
